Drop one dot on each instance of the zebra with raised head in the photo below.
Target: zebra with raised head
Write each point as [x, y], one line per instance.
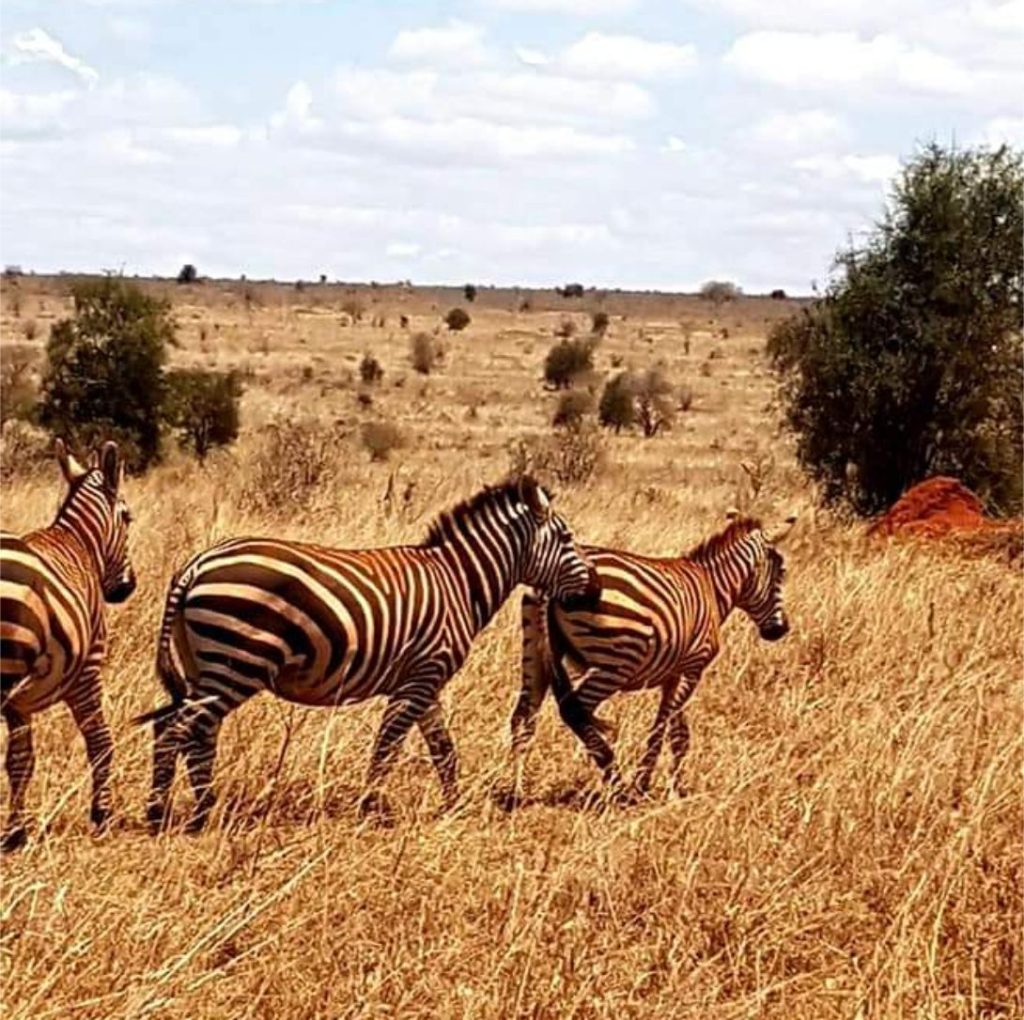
[322, 626]
[657, 624]
[54, 583]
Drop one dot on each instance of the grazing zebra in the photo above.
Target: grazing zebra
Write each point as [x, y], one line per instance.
[53, 585]
[322, 626]
[657, 624]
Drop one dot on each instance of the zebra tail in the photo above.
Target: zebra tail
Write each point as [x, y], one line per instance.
[170, 679]
[561, 686]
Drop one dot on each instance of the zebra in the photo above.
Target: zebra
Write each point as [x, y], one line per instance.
[322, 626]
[657, 623]
[53, 586]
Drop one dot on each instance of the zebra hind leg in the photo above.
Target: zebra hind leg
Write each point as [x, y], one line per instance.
[167, 738]
[20, 762]
[679, 738]
[88, 715]
[577, 711]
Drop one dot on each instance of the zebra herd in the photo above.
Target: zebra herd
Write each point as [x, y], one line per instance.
[323, 626]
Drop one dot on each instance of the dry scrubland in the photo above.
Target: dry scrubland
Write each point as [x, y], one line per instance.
[851, 842]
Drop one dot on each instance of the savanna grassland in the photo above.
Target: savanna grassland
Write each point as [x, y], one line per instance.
[851, 842]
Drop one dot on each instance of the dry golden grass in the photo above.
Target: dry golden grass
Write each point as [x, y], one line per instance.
[851, 845]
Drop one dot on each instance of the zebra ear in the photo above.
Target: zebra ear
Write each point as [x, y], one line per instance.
[70, 465]
[534, 497]
[732, 514]
[112, 466]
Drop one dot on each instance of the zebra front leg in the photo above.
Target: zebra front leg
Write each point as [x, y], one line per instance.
[87, 710]
[20, 762]
[405, 708]
[536, 674]
[577, 711]
[649, 761]
[442, 752]
[679, 731]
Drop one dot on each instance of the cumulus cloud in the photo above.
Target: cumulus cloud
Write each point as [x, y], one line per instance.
[830, 167]
[36, 45]
[799, 129]
[807, 60]
[458, 44]
[627, 56]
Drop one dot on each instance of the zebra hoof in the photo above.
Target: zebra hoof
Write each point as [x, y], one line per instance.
[13, 839]
[157, 819]
[195, 825]
[376, 808]
[100, 818]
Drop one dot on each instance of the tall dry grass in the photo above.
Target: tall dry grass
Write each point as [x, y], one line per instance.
[850, 847]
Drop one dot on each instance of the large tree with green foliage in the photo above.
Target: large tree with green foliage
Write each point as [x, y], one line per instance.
[105, 368]
[910, 364]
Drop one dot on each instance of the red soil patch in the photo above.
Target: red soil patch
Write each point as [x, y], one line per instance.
[943, 508]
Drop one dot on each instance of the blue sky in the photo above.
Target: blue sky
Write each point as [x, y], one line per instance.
[633, 143]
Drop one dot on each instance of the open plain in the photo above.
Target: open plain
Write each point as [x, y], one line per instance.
[850, 843]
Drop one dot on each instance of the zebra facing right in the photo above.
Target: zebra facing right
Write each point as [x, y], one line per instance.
[323, 626]
[657, 624]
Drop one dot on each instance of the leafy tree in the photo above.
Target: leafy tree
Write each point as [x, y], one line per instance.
[188, 273]
[569, 359]
[203, 407]
[571, 290]
[469, 292]
[457, 320]
[910, 364]
[105, 368]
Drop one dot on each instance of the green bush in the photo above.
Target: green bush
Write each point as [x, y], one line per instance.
[188, 273]
[569, 359]
[617, 409]
[599, 323]
[572, 409]
[105, 368]
[910, 365]
[202, 407]
[424, 352]
[457, 320]
[370, 370]
[469, 292]
[720, 291]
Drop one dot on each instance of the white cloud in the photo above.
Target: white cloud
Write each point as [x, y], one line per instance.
[36, 45]
[297, 113]
[588, 8]
[805, 60]
[674, 144]
[517, 97]
[217, 136]
[867, 169]
[626, 56]
[402, 250]
[458, 44]
[797, 130]
[532, 58]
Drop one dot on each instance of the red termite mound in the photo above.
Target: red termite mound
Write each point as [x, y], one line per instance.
[942, 508]
[934, 508]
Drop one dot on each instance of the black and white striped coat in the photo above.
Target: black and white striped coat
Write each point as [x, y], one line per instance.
[54, 583]
[322, 626]
[657, 624]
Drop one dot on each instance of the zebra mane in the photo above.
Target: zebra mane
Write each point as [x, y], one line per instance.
[735, 532]
[437, 533]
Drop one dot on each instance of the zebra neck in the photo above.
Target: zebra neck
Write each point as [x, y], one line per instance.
[483, 582]
[77, 541]
[728, 571]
